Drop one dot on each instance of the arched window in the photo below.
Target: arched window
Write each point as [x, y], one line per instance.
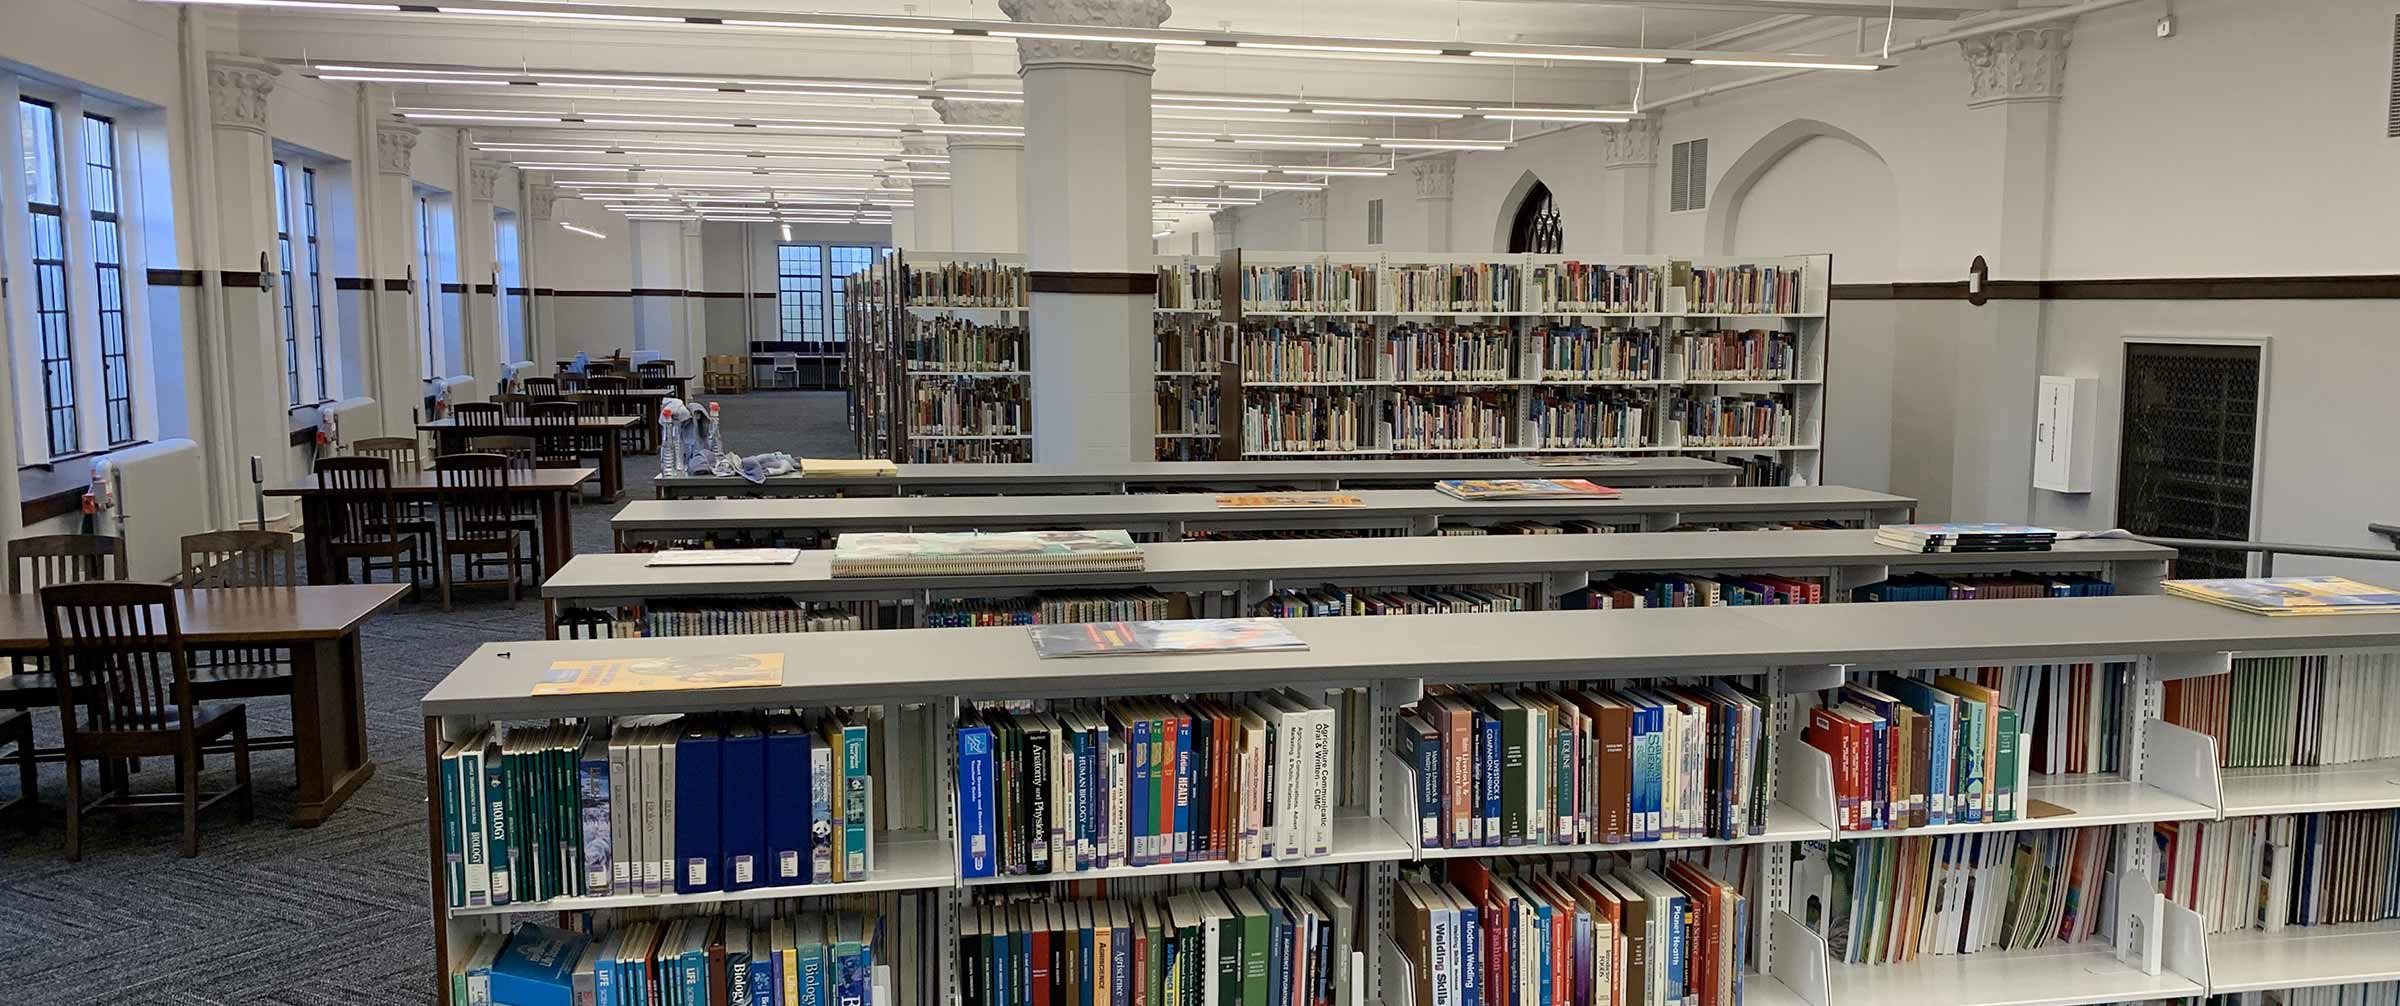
[1537, 228]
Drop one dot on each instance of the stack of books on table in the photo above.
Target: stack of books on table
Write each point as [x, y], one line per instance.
[823, 468]
[957, 553]
[1966, 537]
[1524, 489]
[2291, 595]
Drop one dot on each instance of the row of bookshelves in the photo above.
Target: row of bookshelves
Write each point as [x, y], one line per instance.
[2092, 883]
[1225, 476]
[939, 350]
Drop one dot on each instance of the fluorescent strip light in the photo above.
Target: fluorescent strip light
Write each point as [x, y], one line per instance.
[1351, 144]
[1380, 114]
[1311, 47]
[1277, 186]
[368, 79]
[312, 4]
[827, 26]
[1168, 233]
[1785, 64]
[1441, 145]
[352, 68]
[1221, 98]
[571, 15]
[626, 87]
[949, 130]
[986, 98]
[585, 231]
[1344, 172]
[1581, 56]
[787, 232]
[1533, 117]
[454, 117]
[1540, 110]
[1228, 109]
[1219, 165]
[1234, 169]
[1079, 37]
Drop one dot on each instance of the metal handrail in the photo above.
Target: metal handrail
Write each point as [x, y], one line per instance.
[2268, 550]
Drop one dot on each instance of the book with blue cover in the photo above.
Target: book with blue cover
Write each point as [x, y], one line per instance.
[536, 967]
[743, 807]
[789, 837]
[699, 770]
[975, 799]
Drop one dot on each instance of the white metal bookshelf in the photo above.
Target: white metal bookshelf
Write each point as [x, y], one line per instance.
[940, 353]
[1661, 309]
[2171, 773]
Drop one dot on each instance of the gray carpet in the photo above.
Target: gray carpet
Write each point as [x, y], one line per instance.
[271, 914]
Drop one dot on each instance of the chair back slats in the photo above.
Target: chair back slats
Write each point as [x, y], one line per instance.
[541, 387]
[43, 560]
[518, 450]
[479, 413]
[121, 646]
[361, 498]
[402, 452]
[239, 559]
[475, 502]
[561, 449]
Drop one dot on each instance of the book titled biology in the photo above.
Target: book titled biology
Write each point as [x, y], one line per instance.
[956, 553]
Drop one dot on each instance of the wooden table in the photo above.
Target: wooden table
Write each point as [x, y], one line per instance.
[318, 625]
[454, 438]
[553, 487]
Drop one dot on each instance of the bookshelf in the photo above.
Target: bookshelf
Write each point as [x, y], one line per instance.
[1430, 356]
[1790, 652]
[1215, 476]
[944, 342]
[1172, 516]
[1229, 579]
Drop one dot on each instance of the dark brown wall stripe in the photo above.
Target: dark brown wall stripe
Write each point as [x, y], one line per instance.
[658, 291]
[519, 291]
[484, 289]
[454, 288]
[398, 285]
[717, 294]
[353, 283]
[174, 277]
[239, 279]
[57, 504]
[1092, 282]
[2166, 288]
[304, 436]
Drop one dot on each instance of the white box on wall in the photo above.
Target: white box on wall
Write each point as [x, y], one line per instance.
[2064, 418]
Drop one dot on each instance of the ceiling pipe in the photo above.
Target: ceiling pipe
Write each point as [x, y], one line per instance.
[1927, 42]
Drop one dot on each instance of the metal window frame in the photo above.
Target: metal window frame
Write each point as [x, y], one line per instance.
[52, 298]
[108, 277]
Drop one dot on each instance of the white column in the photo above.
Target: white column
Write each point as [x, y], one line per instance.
[2015, 81]
[1628, 159]
[243, 379]
[987, 177]
[1435, 176]
[396, 348]
[478, 271]
[541, 341]
[1087, 181]
[1311, 207]
[1228, 227]
[932, 199]
[692, 334]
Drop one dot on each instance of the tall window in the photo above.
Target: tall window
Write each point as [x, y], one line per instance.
[45, 205]
[512, 277]
[316, 277]
[848, 260]
[108, 268]
[283, 252]
[1537, 227]
[800, 294]
[429, 286]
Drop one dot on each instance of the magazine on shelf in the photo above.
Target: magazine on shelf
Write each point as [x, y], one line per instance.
[2291, 595]
[1288, 501]
[1195, 635]
[902, 553]
[661, 674]
[1524, 489]
[724, 557]
[1965, 537]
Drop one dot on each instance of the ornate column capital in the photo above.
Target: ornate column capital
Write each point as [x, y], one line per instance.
[237, 90]
[1138, 57]
[923, 146]
[2022, 64]
[483, 179]
[1228, 223]
[1312, 205]
[541, 202]
[395, 141]
[1435, 176]
[958, 112]
[1629, 145]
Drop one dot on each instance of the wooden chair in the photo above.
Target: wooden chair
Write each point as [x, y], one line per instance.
[605, 383]
[46, 559]
[232, 560]
[16, 738]
[369, 523]
[561, 451]
[479, 413]
[518, 450]
[725, 375]
[512, 405]
[654, 374]
[405, 454]
[125, 692]
[538, 388]
[478, 519]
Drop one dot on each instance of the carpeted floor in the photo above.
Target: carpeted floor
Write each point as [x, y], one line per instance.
[272, 914]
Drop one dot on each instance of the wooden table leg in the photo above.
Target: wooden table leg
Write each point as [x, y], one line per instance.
[612, 466]
[316, 530]
[329, 727]
[558, 534]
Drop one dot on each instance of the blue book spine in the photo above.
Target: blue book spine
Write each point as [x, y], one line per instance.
[1583, 956]
[855, 797]
[744, 811]
[1279, 952]
[762, 981]
[604, 979]
[1741, 942]
[1516, 955]
[1470, 953]
[1881, 797]
[1548, 964]
[787, 786]
[1676, 907]
[1144, 814]
[1085, 966]
[496, 826]
[1655, 785]
[1183, 790]
[693, 970]
[738, 986]
[454, 859]
[1490, 757]
[975, 801]
[598, 858]
[699, 778]
[851, 978]
[812, 974]
[1120, 965]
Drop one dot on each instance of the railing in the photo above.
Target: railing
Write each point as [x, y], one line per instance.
[2268, 550]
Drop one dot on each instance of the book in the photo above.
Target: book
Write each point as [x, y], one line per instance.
[536, 967]
[1288, 501]
[1515, 489]
[847, 468]
[2290, 595]
[724, 557]
[951, 553]
[1895, 900]
[655, 674]
[1103, 639]
[1965, 537]
[2271, 712]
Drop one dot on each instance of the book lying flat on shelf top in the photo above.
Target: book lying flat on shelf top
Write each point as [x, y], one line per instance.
[1197, 635]
[2291, 595]
[822, 468]
[956, 553]
[1288, 501]
[1524, 489]
[1966, 537]
[661, 674]
[1579, 461]
[724, 557]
